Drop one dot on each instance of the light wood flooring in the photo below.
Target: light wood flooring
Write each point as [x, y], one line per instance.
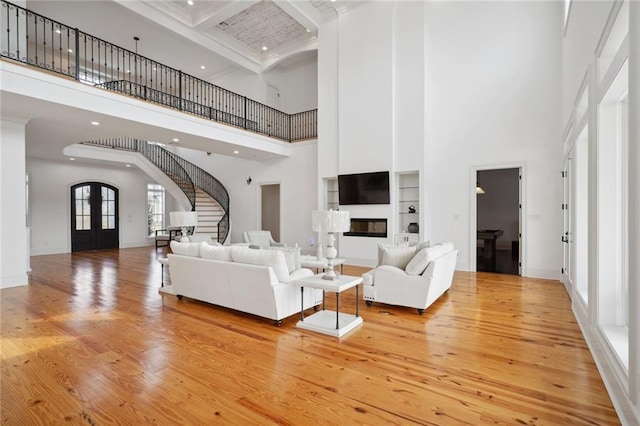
[91, 341]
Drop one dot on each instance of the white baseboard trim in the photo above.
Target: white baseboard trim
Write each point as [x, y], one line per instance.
[612, 372]
[547, 274]
[48, 250]
[14, 281]
[137, 244]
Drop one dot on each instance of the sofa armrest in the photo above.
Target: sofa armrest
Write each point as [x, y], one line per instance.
[300, 273]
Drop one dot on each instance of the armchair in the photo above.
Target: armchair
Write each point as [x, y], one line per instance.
[260, 238]
[164, 237]
[426, 277]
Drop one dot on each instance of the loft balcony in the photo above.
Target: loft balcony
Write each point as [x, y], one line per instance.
[40, 42]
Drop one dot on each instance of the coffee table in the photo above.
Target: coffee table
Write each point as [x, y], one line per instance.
[313, 262]
[326, 321]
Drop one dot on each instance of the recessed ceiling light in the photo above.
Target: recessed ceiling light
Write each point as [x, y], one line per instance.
[127, 165]
[72, 159]
[128, 72]
[95, 123]
[264, 47]
[70, 50]
[201, 67]
[236, 152]
[190, 2]
[308, 30]
[175, 140]
[58, 31]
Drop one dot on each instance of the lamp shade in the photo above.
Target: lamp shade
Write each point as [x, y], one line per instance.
[183, 218]
[330, 221]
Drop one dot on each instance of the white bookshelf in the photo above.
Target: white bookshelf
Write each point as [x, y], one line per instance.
[408, 195]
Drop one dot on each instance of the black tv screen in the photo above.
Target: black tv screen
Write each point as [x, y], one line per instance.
[363, 188]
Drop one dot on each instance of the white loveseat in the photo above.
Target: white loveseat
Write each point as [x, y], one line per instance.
[255, 281]
[427, 275]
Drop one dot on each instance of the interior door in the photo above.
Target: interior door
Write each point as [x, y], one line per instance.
[270, 209]
[94, 217]
[567, 234]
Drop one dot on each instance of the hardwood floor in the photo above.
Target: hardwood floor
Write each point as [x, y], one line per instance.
[91, 341]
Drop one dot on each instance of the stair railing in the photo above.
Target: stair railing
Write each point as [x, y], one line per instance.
[159, 157]
[36, 40]
[212, 187]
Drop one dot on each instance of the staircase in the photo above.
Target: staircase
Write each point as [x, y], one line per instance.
[209, 214]
[206, 195]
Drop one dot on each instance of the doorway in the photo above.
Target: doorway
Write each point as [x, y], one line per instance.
[94, 217]
[498, 220]
[270, 209]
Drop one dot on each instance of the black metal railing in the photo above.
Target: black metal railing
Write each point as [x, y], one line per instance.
[36, 40]
[186, 175]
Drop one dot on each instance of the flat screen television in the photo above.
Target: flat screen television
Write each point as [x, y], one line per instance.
[363, 188]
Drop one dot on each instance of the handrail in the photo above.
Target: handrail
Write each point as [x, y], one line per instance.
[186, 175]
[36, 40]
[212, 187]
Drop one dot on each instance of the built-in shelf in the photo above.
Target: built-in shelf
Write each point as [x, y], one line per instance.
[332, 194]
[408, 195]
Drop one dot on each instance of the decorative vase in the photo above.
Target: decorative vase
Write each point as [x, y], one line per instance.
[413, 228]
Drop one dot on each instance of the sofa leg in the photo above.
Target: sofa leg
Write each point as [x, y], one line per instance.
[278, 323]
[369, 302]
[179, 296]
[420, 311]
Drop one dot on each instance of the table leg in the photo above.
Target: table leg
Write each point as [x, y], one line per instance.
[357, 301]
[323, 305]
[301, 303]
[337, 309]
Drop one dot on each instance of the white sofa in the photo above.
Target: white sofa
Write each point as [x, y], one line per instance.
[255, 281]
[406, 285]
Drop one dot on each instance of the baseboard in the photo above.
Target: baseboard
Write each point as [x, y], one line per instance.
[358, 261]
[137, 244]
[547, 274]
[14, 281]
[611, 371]
[48, 250]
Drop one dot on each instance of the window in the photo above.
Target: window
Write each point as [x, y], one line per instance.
[155, 208]
[83, 208]
[108, 208]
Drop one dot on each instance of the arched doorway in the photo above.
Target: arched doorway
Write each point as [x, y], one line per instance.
[94, 217]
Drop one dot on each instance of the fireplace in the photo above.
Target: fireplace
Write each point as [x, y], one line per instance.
[368, 228]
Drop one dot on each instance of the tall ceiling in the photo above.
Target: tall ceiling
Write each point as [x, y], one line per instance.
[220, 35]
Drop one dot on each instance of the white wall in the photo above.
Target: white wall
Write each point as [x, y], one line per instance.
[297, 83]
[491, 78]
[50, 202]
[13, 231]
[296, 176]
[493, 99]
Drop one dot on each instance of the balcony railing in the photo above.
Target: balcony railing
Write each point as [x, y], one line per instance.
[36, 40]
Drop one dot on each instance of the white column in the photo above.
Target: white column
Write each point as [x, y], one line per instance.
[634, 204]
[13, 230]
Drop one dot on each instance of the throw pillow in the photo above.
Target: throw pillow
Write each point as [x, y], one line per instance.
[291, 256]
[382, 247]
[215, 252]
[398, 257]
[422, 244]
[272, 258]
[186, 249]
[419, 263]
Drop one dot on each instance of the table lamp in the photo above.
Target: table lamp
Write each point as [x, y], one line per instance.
[330, 221]
[183, 220]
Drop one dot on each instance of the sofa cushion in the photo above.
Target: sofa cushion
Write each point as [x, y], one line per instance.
[272, 258]
[419, 263]
[215, 252]
[421, 260]
[291, 256]
[186, 249]
[382, 247]
[397, 256]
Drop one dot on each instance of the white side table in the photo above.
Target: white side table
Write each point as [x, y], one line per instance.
[325, 321]
[321, 264]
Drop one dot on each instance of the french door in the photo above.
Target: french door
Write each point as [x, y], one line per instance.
[94, 217]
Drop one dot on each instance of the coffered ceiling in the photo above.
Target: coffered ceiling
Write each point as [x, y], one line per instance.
[252, 34]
